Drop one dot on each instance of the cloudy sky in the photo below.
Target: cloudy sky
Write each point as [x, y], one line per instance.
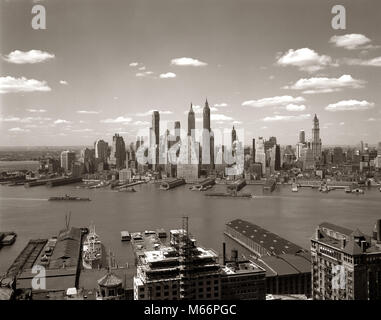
[266, 66]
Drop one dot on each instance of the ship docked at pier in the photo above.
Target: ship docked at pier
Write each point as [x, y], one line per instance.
[92, 250]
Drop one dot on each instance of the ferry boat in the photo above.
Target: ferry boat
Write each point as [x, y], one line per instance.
[92, 250]
[125, 236]
[68, 198]
[7, 238]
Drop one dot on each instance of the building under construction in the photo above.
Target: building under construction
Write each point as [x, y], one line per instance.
[183, 270]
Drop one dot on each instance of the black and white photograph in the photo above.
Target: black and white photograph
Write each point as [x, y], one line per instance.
[211, 151]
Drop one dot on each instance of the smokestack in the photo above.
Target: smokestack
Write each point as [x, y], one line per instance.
[223, 253]
[343, 242]
[235, 257]
[378, 224]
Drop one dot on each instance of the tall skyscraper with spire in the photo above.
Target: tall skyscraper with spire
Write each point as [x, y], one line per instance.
[234, 135]
[155, 137]
[191, 123]
[206, 116]
[316, 141]
[207, 140]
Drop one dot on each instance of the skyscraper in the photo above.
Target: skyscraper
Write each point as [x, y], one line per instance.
[206, 116]
[260, 153]
[253, 151]
[101, 150]
[177, 130]
[302, 137]
[191, 123]
[67, 160]
[207, 140]
[234, 135]
[156, 137]
[118, 152]
[316, 141]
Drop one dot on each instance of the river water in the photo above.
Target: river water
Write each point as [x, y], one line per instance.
[291, 215]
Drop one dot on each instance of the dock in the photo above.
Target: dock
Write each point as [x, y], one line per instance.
[63, 181]
[204, 185]
[127, 185]
[36, 183]
[171, 183]
[27, 257]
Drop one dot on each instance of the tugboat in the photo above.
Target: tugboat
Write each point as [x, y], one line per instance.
[68, 198]
[92, 250]
[348, 190]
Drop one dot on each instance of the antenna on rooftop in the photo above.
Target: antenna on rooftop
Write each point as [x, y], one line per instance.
[67, 220]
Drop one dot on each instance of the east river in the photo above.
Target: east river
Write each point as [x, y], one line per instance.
[294, 216]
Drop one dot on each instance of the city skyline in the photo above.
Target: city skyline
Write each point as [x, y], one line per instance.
[97, 84]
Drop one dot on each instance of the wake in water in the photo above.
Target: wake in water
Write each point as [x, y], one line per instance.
[24, 199]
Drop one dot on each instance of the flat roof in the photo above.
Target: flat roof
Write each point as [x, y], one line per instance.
[285, 264]
[241, 268]
[268, 240]
[336, 228]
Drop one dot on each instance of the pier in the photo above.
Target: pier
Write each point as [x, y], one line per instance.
[172, 183]
[27, 257]
[204, 184]
[63, 181]
[128, 185]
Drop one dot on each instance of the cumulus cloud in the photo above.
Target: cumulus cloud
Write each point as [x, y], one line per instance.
[82, 130]
[144, 74]
[220, 117]
[88, 112]
[120, 119]
[36, 110]
[149, 113]
[305, 59]
[141, 123]
[287, 118]
[350, 105]
[17, 129]
[31, 56]
[184, 61]
[23, 120]
[220, 105]
[295, 107]
[168, 75]
[375, 62]
[61, 121]
[325, 85]
[352, 41]
[10, 84]
[273, 101]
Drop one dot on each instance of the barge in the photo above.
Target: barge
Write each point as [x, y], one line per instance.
[68, 198]
[229, 195]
